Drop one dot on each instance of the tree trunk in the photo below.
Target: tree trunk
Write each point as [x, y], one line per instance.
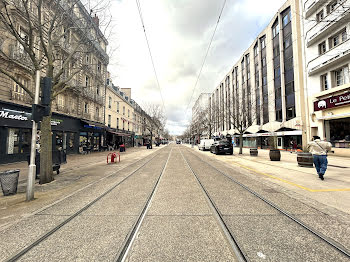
[46, 174]
[240, 143]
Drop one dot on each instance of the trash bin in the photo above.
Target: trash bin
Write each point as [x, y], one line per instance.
[9, 181]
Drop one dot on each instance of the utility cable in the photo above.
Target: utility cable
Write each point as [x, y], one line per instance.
[150, 53]
[206, 54]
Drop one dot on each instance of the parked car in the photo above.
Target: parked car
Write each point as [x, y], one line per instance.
[222, 146]
[205, 144]
[178, 142]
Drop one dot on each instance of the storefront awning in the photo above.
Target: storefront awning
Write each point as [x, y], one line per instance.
[281, 133]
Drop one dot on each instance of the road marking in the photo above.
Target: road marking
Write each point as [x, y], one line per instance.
[289, 182]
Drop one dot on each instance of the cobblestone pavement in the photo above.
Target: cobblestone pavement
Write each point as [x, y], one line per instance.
[152, 207]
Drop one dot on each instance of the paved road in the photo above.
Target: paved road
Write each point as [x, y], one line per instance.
[157, 210]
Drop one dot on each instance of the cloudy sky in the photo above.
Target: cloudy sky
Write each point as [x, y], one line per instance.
[179, 32]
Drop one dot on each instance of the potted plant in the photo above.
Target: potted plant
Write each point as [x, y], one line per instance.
[305, 158]
[275, 154]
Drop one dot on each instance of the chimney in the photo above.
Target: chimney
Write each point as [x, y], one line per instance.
[96, 20]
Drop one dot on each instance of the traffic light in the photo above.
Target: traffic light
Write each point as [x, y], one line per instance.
[43, 109]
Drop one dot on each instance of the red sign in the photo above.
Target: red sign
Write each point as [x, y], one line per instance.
[331, 102]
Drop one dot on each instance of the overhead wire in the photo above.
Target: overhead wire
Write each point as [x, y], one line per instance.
[150, 53]
[206, 55]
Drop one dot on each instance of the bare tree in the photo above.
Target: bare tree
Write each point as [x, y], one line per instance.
[154, 120]
[53, 37]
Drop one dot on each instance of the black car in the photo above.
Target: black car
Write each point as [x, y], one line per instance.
[178, 142]
[221, 147]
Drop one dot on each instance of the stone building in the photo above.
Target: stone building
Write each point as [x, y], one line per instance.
[78, 109]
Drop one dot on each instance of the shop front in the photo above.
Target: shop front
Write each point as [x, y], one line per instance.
[16, 133]
[92, 137]
[332, 118]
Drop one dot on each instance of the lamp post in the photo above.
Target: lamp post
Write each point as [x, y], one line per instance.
[32, 166]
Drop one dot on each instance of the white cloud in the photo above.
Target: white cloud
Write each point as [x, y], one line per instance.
[179, 33]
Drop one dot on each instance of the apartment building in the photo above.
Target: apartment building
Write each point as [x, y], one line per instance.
[263, 93]
[327, 55]
[119, 116]
[200, 118]
[78, 111]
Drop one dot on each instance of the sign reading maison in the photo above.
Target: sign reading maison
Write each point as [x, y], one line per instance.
[331, 102]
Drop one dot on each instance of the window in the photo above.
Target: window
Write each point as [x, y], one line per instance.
[279, 115]
[324, 82]
[117, 123]
[109, 102]
[128, 126]
[128, 112]
[331, 6]
[255, 50]
[264, 80]
[339, 76]
[275, 30]
[86, 108]
[123, 125]
[242, 64]
[291, 113]
[263, 61]
[277, 72]
[290, 88]
[287, 41]
[319, 16]
[344, 36]
[109, 120]
[262, 42]
[60, 100]
[338, 39]
[286, 18]
[117, 107]
[124, 110]
[276, 51]
[87, 81]
[97, 112]
[99, 66]
[87, 59]
[322, 48]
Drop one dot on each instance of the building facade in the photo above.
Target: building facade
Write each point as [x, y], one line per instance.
[78, 111]
[200, 118]
[261, 96]
[327, 55]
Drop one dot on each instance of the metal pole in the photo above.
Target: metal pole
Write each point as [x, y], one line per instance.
[32, 167]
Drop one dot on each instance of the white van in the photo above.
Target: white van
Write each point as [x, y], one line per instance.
[205, 144]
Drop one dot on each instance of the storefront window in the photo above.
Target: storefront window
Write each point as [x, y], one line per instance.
[340, 132]
[13, 141]
[71, 141]
[26, 140]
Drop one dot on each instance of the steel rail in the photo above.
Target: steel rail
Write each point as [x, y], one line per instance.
[70, 218]
[237, 250]
[123, 253]
[326, 239]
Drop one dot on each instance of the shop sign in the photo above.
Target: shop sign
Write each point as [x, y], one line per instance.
[331, 102]
[56, 122]
[12, 114]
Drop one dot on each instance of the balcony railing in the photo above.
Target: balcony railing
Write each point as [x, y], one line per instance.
[20, 56]
[22, 97]
[326, 27]
[327, 59]
[86, 115]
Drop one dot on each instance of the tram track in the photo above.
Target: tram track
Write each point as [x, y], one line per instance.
[334, 244]
[51, 232]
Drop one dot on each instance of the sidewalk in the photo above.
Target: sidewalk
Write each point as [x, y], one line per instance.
[80, 171]
[334, 191]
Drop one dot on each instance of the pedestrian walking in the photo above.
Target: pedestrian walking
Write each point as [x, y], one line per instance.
[319, 150]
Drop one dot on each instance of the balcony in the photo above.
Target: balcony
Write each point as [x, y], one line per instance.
[86, 116]
[310, 6]
[20, 56]
[99, 99]
[21, 97]
[328, 25]
[334, 56]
